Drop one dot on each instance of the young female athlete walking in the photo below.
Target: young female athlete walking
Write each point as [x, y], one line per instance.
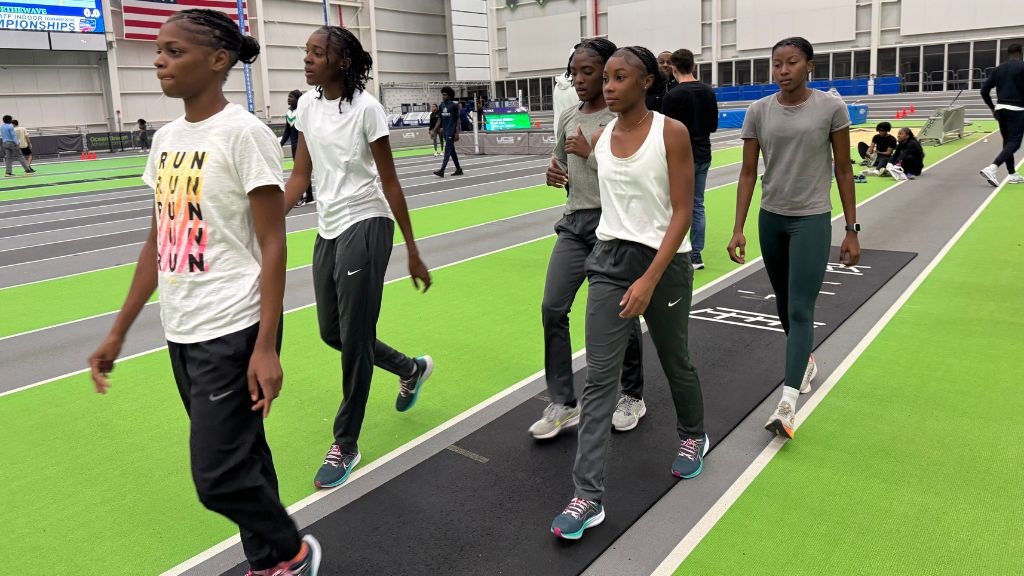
[801, 131]
[574, 167]
[640, 265]
[216, 248]
[343, 136]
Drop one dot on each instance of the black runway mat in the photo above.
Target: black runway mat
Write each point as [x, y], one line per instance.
[484, 505]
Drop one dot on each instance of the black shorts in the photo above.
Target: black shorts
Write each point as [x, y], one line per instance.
[26, 151]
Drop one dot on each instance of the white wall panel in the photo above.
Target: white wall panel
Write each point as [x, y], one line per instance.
[761, 24]
[930, 16]
[469, 19]
[542, 43]
[663, 26]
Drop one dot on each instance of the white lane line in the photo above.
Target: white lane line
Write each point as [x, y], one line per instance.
[722, 505]
[290, 310]
[22, 235]
[408, 198]
[48, 202]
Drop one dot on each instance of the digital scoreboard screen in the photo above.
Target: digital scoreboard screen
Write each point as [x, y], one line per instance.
[52, 15]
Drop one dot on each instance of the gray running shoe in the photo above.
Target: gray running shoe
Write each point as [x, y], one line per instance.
[809, 375]
[783, 421]
[556, 417]
[628, 413]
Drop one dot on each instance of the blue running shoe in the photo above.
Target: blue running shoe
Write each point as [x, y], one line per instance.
[579, 515]
[690, 460]
[336, 467]
[409, 389]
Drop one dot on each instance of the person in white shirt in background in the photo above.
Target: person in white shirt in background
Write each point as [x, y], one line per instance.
[344, 139]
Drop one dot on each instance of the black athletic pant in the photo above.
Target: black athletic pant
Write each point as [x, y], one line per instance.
[232, 466]
[576, 239]
[1011, 128]
[308, 195]
[449, 152]
[795, 251]
[348, 281]
[611, 269]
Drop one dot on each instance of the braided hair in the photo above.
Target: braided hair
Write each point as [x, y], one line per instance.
[647, 62]
[342, 44]
[797, 42]
[600, 47]
[219, 32]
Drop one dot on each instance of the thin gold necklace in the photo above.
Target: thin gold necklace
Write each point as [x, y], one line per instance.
[638, 123]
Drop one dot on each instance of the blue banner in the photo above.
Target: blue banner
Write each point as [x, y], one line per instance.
[52, 16]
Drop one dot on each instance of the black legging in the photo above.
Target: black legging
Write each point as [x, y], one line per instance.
[795, 251]
[1011, 128]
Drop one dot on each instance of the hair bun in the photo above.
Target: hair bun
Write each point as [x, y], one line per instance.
[249, 50]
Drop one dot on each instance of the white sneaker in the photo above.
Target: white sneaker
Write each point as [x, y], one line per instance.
[556, 417]
[1016, 179]
[989, 174]
[871, 172]
[628, 413]
[783, 421]
[809, 374]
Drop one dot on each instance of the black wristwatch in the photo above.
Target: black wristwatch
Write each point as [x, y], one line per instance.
[853, 227]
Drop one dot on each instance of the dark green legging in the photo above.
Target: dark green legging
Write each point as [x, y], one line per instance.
[795, 251]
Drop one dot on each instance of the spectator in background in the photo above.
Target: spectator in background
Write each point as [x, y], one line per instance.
[1008, 80]
[694, 104]
[435, 134]
[143, 135]
[908, 160]
[665, 67]
[448, 126]
[291, 136]
[23, 141]
[467, 124]
[12, 151]
[879, 153]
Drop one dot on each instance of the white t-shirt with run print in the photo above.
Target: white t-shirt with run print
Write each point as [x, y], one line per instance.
[348, 188]
[208, 257]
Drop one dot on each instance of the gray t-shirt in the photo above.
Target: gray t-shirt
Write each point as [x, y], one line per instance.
[797, 151]
[583, 190]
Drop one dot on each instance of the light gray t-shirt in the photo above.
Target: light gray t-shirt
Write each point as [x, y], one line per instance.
[797, 151]
[583, 190]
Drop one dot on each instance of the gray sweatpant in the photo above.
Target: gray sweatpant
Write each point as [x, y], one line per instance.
[348, 282]
[611, 268]
[576, 239]
[11, 153]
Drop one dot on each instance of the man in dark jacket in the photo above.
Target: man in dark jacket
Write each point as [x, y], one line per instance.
[1008, 80]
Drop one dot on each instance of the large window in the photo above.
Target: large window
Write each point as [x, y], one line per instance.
[725, 74]
[842, 66]
[499, 90]
[862, 64]
[704, 73]
[536, 102]
[822, 67]
[743, 72]
[933, 67]
[958, 75]
[547, 86]
[886, 62]
[910, 68]
[762, 71]
[984, 61]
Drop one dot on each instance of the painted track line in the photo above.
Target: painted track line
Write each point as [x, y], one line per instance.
[710, 519]
[438, 235]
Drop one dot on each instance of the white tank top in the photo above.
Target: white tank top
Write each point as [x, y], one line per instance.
[635, 203]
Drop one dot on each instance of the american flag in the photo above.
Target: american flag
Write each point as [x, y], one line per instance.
[143, 18]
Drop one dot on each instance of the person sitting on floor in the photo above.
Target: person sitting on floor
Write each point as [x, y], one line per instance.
[879, 153]
[908, 159]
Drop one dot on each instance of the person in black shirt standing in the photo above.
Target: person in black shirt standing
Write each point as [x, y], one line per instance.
[1008, 80]
[448, 126]
[694, 104]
